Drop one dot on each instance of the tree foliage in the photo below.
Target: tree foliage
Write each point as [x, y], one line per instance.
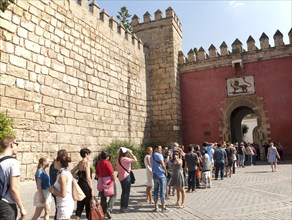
[196, 51]
[113, 150]
[4, 4]
[6, 126]
[244, 129]
[123, 16]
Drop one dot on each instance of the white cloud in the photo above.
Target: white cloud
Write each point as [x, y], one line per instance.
[236, 4]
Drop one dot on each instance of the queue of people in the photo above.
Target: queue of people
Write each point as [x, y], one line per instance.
[169, 171]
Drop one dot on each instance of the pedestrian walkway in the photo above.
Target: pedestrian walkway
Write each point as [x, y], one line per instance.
[253, 193]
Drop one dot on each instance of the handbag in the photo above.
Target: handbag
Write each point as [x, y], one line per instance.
[108, 189]
[133, 179]
[132, 176]
[96, 211]
[102, 181]
[77, 193]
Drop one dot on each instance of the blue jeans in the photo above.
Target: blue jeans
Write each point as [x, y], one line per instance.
[8, 211]
[250, 159]
[126, 188]
[192, 180]
[241, 160]
[159, 186]
[219, 166]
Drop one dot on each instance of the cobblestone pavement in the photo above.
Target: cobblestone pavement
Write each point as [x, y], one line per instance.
[253, 193]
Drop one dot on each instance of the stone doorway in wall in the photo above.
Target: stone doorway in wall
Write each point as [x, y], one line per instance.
[235, 111]
[243, 121]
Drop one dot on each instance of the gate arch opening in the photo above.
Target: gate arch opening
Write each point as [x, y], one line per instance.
[236, 118]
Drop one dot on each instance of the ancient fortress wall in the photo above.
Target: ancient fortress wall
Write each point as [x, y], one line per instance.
[203, 60]
[162, 36]
[71, 77]
[206, 74]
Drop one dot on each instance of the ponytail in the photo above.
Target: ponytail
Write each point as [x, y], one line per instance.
[41, 163]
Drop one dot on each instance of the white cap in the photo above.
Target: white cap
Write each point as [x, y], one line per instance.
[175, 144]
[124, 149]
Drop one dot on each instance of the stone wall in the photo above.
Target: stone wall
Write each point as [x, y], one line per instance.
[163, 38]
[71, 77]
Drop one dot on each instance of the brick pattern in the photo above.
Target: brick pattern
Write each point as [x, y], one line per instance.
[69, 80]
[162, 71]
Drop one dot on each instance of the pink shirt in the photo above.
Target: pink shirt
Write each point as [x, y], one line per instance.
[126, 162]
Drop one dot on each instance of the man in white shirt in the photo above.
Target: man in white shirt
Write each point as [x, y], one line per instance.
[10, 167]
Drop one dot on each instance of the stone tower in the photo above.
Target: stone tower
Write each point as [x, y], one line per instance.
[162, 39]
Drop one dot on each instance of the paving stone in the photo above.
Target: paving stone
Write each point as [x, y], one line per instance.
[253, 193]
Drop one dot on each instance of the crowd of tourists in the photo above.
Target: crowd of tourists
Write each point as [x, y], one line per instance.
[169, 171]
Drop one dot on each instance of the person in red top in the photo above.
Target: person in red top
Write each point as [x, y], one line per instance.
[104, 169]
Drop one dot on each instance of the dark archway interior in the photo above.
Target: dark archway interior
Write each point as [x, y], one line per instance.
[235, 122]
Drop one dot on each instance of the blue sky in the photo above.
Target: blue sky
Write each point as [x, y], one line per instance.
[212, 22]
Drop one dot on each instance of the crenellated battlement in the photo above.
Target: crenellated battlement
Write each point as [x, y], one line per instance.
[237, 51]
[90, 10]
[158, 19]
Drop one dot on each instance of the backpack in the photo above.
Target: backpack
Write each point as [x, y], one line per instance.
[4, 186]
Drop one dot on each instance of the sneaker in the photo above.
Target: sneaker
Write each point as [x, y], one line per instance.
[165, 210]
[126, 210]
[107, 214]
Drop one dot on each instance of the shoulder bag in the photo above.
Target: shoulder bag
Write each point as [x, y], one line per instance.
[106, 185]
[132, 176]
[77, 193]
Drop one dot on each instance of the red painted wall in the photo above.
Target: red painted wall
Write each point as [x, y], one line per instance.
[202, 93]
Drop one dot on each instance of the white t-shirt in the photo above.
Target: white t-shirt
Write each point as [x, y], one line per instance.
[10, 168]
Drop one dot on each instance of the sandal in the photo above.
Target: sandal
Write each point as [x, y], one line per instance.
[181, 207]
[176, 204]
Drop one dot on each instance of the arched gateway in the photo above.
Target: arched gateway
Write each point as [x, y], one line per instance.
[233, 112]
[218, 90]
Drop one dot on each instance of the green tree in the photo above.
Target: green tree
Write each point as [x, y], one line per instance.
[244, 129]
[123, 16]
[196, 51]
[6, 126]
[4, 4]
[113, 150]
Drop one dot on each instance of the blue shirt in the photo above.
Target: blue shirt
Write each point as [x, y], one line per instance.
[220, 155]
[45, 178]
[156, 165]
